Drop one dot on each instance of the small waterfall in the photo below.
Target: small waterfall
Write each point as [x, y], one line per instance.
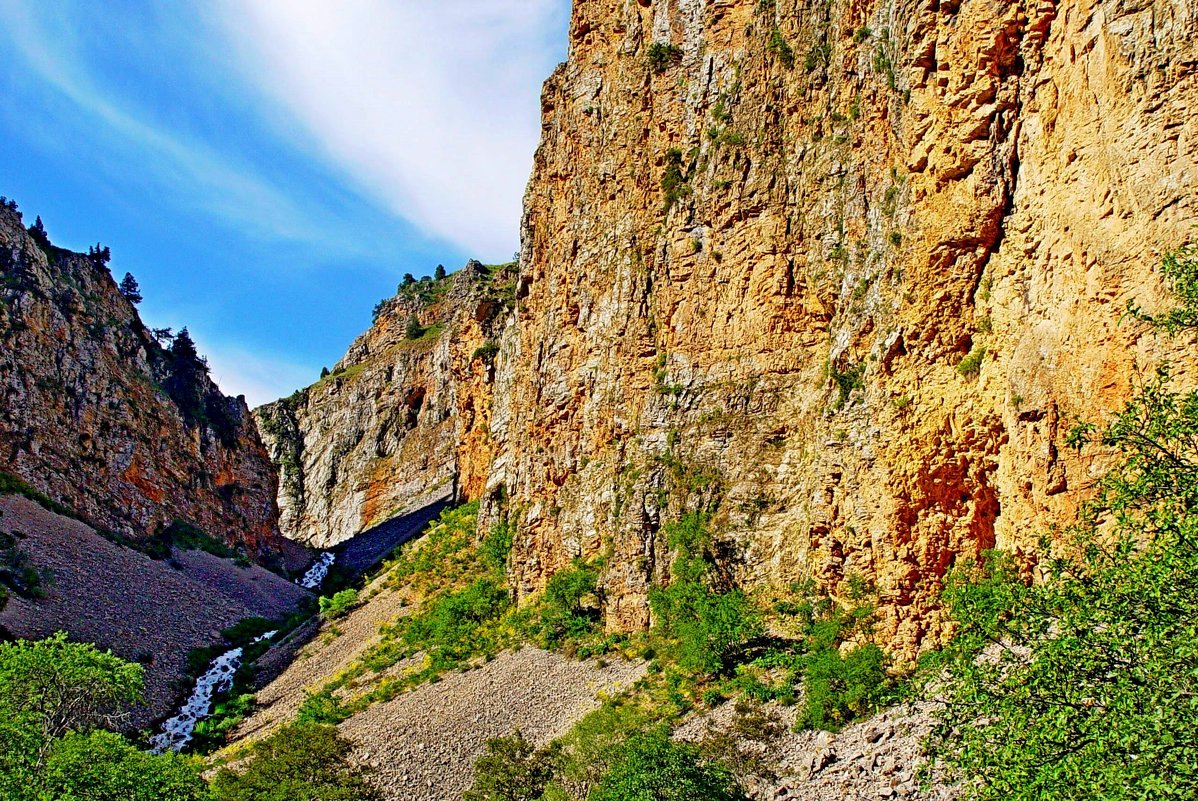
[177, 732]
[315, 575]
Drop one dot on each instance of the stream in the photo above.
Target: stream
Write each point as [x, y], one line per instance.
[315, 575]
[218, 678]
[177, 732]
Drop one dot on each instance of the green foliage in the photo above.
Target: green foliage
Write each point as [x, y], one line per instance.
[13, 485]
[653, 767]
[1086, 685]
[55, 696]
[564, 618]
[839, 687]
[18, 573]
[322, 707]
[448, 628]
[301, 762]
[781, 48]
[339, 605]
[186, 537]
[102, 766]
[1180, 269]
[512, 769]
[497, 545]
[850, 378]
[706, 628]
[413, 329]
[487, 351]
[971, 365]
[674, 181]
[862, 34]
[662, 56]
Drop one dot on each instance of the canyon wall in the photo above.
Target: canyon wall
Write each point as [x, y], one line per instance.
[844, 273]
[848, 269]
[402, 420]
[99, 416]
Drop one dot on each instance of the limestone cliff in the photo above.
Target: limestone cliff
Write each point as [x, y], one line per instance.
[98, 415]
[402, 419]
[844, 272]
[849, 268]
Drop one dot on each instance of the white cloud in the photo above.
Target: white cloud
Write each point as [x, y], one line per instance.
[261, 378]
[433, 108]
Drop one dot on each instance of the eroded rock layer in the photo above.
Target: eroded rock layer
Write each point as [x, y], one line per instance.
[94, 413]
[851, 269]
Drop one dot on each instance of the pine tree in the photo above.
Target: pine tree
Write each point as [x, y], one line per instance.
[439, 273]
[99, 254]
[413, 329]
[324, 372]
[130, 290]
[38, 232]
[408, 279]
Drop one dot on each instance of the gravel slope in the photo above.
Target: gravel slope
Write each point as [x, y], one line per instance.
[143, 610]
[423, 744]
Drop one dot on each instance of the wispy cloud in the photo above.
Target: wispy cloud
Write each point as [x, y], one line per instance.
[433, 108]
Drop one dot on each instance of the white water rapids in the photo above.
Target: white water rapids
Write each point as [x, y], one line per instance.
[177, 732]
[311, 580]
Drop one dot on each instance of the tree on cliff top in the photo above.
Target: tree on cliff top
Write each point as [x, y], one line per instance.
[130, 289]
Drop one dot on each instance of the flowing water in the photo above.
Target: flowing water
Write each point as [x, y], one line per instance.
[177, 732]
[311, 580]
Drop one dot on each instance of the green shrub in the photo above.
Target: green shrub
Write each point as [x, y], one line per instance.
[497, 545]
[339, 605]
[301, 761]
[1087, 685]
[972, 364]
[674, 181]
[653, 767]
[321, 707]
[413, 329]
[563, 616]
[662, 56]
[487, 351]
[707, 628]
[512, 769]
[840, 687]
[781, 48]
[103, 766]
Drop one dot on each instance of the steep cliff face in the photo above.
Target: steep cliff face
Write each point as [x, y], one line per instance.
[402, 419]
[840, 274]
[96, 414]
[846, 271]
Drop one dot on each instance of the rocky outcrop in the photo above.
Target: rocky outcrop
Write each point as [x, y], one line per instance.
[848, 270]
[402, 420]
[98, 415]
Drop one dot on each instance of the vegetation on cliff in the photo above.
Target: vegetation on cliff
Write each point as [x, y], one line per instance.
[1085, 685]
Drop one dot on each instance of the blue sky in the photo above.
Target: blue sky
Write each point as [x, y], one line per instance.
[269, 169]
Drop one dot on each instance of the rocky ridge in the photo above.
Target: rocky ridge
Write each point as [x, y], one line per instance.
[87, 414]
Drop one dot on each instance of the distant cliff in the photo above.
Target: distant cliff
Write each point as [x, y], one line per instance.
[402, 419]
[100, 415]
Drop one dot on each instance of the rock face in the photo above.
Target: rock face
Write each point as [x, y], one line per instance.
[401, 421]
[850, 268]
[95, 413]
[844, 272]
